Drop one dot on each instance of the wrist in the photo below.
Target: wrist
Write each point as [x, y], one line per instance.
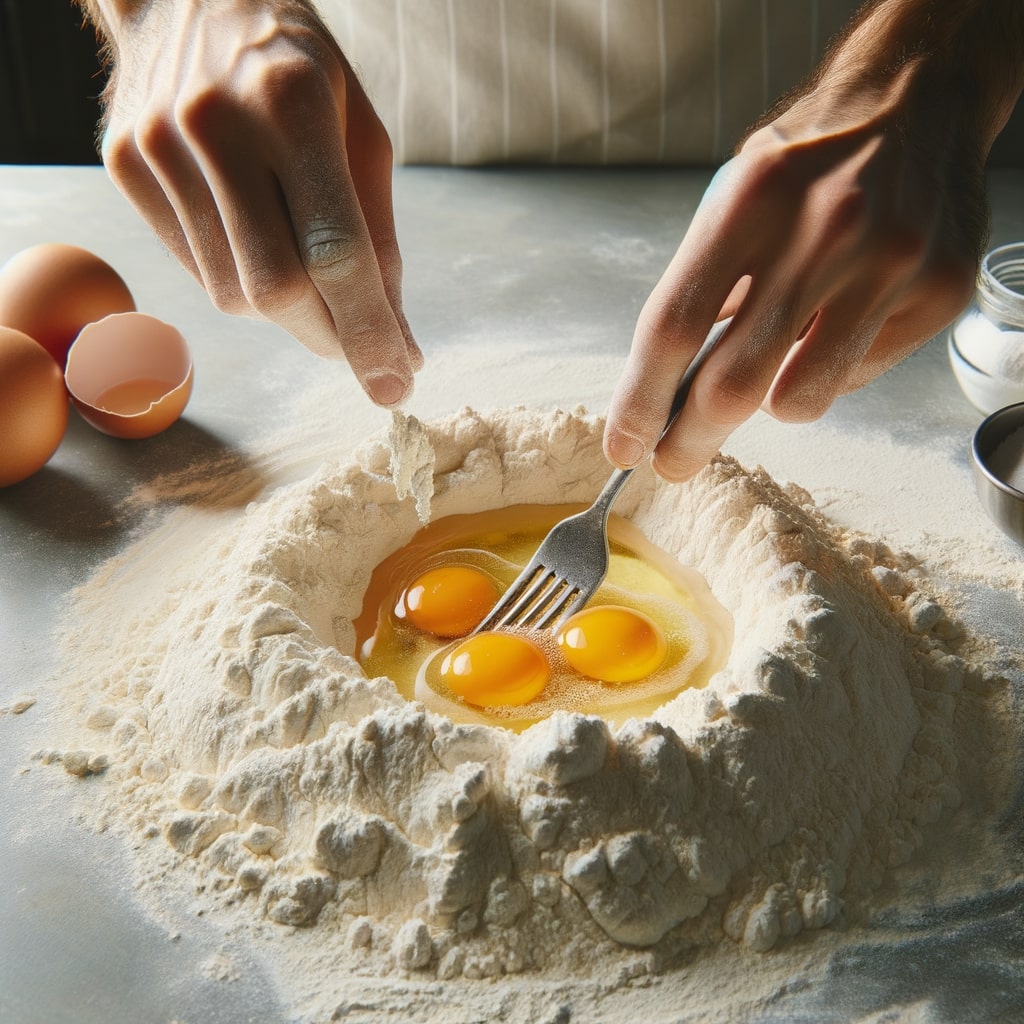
[109, 15]
[961, 55]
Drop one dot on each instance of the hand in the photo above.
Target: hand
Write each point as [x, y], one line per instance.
[240, 133]
[845, 233]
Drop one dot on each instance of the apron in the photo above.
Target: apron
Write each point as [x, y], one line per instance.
[578, 81]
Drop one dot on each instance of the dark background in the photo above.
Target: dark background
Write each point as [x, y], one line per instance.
[50, 81]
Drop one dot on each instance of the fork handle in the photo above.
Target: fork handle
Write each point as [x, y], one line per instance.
[610, 491]
[603, 502]
[717, 330]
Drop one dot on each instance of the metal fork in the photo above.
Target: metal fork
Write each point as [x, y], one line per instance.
[572, 560]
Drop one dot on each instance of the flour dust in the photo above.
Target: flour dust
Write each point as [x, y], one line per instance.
[214, 702]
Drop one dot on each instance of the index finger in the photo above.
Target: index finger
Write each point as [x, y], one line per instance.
[671, 329]
[334, 242]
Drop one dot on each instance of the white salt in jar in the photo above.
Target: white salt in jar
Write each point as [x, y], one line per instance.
[986, 344]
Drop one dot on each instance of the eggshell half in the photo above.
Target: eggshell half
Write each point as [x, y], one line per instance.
[51, 291]
[130, 375]
[33, 406]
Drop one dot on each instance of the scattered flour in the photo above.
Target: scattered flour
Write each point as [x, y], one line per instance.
[19, 705]
[215, 698]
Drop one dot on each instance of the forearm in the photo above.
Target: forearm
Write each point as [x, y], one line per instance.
[969, 51]
[108, 15]
[961, 61]
[112, 17]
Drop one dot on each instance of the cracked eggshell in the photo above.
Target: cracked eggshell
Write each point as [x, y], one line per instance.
[129, 375]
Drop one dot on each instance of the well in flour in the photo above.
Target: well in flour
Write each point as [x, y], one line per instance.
[238, 725]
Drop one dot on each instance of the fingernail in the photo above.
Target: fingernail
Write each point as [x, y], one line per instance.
[387, 388]
[625, 449]
[673, 474]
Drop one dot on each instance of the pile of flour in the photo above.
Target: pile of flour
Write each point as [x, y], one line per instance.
[215, 703]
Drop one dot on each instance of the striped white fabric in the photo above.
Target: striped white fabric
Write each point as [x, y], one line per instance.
[578, 81]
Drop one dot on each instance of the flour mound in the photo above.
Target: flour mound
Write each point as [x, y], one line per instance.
[226, 710]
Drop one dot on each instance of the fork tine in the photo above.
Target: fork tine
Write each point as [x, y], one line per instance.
[568, 598]
[551, 594]
[579, 599]
[532, 599]
[501, 610]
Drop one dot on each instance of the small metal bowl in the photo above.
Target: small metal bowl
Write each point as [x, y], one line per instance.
[1003, 502]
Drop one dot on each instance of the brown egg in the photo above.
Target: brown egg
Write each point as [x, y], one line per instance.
[51, 291]
[129, 375]
[33, 406]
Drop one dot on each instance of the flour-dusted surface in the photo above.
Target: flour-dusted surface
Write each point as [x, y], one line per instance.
[522, 286]
[216, 708]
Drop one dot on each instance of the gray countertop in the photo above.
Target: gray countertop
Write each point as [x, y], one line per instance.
[551, 257]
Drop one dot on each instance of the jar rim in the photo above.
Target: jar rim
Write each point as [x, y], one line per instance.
[1004, 266]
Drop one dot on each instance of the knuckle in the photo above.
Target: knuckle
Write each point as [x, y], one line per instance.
[330, 253]
[198, 113]
[273, 294]
[659, 327]
[727, 398]
[773, 167]
[226, 295]
[662, 327]
[848, 212]
[155, 135]
[293, 81]
[121, 155]
[798, 404]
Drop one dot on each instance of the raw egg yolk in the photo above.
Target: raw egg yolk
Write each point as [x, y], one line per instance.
[448, 601]
[612, 644]
[495, 670]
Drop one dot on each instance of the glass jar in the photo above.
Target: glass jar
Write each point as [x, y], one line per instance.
[986, 343]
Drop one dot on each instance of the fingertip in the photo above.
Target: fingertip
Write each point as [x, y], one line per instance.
[387, 389]
[623, 449]
[673, 472]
